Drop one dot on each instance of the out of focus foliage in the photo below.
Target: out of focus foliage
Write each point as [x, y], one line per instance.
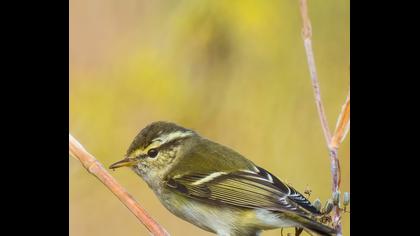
[234, 71]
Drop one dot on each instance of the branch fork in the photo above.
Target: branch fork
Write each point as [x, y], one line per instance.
[343, 121]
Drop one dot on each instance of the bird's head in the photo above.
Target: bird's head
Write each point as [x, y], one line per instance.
[155, 148]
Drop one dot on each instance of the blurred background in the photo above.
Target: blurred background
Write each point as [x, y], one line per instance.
[234, 71]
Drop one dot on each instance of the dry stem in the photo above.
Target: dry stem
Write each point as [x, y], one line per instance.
[94, 167]
[343, 122]
[307, 34]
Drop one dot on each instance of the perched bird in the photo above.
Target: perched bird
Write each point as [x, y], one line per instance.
[214, 187]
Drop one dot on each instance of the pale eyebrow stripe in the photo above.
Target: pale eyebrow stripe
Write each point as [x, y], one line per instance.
[172, 136]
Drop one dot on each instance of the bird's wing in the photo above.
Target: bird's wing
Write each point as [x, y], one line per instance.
[245, 188]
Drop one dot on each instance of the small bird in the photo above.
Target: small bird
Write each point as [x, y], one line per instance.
[213, 186]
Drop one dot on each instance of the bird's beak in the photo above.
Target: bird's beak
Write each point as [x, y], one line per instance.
[124, 162]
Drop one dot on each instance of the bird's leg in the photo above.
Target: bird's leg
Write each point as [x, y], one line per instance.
[298, 231]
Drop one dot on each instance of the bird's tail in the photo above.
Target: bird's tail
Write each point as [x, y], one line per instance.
[317, 227]
[313, 226]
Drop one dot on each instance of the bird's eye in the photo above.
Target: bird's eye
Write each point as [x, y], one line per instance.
[152, 153]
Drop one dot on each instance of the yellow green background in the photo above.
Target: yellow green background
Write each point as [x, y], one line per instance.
[234, 71]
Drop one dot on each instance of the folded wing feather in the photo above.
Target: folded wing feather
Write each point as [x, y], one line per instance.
[245, 188]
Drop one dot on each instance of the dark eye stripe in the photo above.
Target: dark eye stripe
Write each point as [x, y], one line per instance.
[154, 151]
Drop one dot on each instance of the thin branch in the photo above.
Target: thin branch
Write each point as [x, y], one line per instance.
[336, 181]
[94, 167]
[307, 34]
[343, 120]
